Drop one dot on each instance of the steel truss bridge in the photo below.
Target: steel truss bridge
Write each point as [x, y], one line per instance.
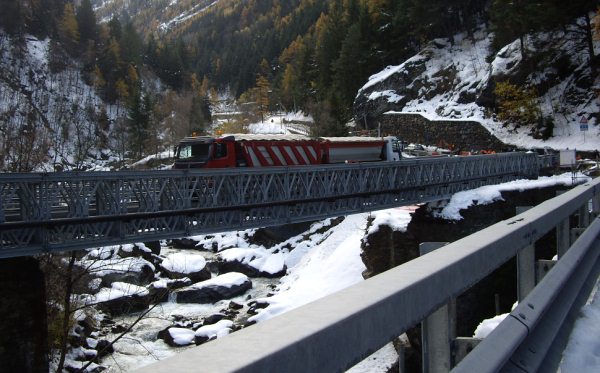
[45, 212]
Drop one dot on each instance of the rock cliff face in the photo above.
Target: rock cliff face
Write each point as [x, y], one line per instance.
[456, 81]
[437, 81]
[388, 248]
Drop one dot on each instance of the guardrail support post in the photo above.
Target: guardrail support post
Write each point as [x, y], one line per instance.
[563, 236]
[525, 266]
[596, 205]
[543, 266]
[2, 216]
[438, 330]
[584, 216]
[462, 347]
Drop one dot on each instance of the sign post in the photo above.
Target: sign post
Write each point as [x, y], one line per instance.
[583, 126]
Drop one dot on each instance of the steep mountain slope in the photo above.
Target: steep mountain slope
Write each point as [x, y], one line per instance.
[226, 39]
[152, 16]
[456, 81]
[55, 114]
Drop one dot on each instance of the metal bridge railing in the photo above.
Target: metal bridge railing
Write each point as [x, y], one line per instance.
[335, 332]
[71, 210]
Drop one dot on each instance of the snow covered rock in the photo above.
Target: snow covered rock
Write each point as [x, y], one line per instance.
[221, 287]
[182, 265]
[177, 337]
[185, 243]
[390, 89]
[160, 289]
[105, 264]
[121, 298]
[143, 250]
[212, 331]
[253, 262]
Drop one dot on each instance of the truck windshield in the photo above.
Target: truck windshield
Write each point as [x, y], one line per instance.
[194, 151]
[397, 146]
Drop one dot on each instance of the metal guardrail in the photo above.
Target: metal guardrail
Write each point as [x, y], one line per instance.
[534, 335]
[335, 332]
[71, 210]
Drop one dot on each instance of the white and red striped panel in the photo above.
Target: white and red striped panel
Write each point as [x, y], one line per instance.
[282, 153]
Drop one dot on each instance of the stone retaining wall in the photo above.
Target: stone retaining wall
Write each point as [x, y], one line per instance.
[462, 135]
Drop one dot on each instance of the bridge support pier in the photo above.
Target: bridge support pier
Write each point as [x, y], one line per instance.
[23, 329]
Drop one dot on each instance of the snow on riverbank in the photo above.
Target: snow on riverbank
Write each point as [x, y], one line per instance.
[491, 193]
[332, 265]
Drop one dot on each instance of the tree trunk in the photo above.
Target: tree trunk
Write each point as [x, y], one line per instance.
[590, 44]
[67, 312]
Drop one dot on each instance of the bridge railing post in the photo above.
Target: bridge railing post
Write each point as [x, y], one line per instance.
[584, 216]
[438, 330]
[525, 266]
[596, 205]
[2, 216]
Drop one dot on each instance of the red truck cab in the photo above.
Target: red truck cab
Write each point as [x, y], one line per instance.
[205, 152]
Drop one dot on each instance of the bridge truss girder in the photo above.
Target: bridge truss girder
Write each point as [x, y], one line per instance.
[68, 211]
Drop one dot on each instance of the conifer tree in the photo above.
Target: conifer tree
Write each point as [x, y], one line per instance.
[513, 20]
[575, 13]
[115, 28]
[131, 43]
[263, 90]
[110, 65]
[42, 16]
[86, 21]
[330, 33]
[349, 71]
[68, 29]
[98, 79]
[327, 118]
[139, 123]
[290, 86]
[57, 58]
[11, 16]
[122, 90]
[200, 116]
[295, 83]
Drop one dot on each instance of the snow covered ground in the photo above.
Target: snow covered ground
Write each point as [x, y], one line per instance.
[282, 123]
[582, 353]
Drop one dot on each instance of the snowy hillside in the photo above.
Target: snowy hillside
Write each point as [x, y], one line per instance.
[163, 17]
[454, 81]
[55, 113]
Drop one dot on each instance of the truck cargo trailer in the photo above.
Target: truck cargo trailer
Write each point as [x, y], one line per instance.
[282, 150]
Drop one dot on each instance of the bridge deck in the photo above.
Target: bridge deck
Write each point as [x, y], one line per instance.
[72, 210]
